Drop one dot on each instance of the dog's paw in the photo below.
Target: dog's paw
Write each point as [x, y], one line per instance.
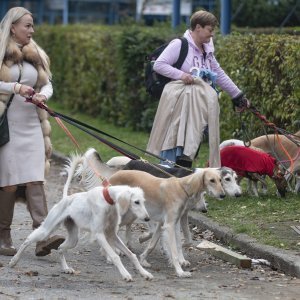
[127, 277]
[144, 263]
[147, 275]
[69, 271]
[185, 263]
[12, 262]
[184, 274]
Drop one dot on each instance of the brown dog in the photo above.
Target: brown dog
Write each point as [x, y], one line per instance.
[166, 200]
[270, 144]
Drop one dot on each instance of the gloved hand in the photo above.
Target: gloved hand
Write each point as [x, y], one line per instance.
[240, 103]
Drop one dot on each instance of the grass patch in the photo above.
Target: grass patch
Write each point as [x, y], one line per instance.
[64, 145]
[266, 218]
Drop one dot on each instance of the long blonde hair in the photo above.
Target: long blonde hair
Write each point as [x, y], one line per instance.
[12, 16]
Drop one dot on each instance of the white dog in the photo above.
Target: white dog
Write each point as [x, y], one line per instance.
[98, 212]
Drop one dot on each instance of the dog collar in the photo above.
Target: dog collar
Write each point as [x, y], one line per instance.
[107, 197]
[105, 183]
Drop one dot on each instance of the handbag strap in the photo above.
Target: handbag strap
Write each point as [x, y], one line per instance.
[12, 95]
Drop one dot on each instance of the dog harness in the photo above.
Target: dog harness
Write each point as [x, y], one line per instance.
[243, 159]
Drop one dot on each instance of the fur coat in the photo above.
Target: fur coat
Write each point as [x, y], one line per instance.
[29, 53]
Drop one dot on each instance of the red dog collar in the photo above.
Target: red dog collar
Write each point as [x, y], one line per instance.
[107, 197]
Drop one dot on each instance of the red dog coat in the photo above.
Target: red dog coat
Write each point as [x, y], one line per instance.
[243, 159]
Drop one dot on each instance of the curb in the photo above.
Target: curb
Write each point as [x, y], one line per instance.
[286, 261]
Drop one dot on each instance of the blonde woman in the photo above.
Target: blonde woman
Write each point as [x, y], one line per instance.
[23, 159]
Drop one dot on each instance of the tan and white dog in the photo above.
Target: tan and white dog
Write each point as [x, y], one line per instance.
[166, 201]
[91, 164]
[270, 144]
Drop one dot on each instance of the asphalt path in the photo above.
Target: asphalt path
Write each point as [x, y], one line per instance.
[41, 277]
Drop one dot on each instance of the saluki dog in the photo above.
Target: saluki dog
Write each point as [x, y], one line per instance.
[91, 162]
[166, 200]
[97, 211]
[247, 162]
[279, 146]
[228, 180]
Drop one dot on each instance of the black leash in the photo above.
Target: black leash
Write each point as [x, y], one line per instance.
[84, 127]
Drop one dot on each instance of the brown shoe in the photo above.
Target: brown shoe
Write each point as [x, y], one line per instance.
[7, 203]
[6, 247]
[44, 248]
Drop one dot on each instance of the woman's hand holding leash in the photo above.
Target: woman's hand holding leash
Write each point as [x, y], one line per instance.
[26, 91]
[240, 103]
[38, 99]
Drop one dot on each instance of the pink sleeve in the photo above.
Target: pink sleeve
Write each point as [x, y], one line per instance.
[223, 80]
[163, 64]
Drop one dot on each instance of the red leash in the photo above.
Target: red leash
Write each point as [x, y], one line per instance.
[105, 182]
[264, 119]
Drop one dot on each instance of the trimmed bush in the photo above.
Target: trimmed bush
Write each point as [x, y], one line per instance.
[99, 70]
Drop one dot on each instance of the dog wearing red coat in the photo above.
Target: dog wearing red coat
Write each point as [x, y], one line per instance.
[247, 162]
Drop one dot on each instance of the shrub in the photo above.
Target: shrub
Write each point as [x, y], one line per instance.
[99, 70]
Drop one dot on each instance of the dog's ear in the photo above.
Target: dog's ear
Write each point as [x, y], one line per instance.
[124, 203]
[195, 183]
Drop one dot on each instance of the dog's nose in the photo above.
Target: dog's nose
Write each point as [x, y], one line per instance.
[237, 194]
[222, 196]
[147, 219]
[204, 210]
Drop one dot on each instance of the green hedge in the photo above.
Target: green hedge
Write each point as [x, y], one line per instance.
[99, 70]
[267, 69]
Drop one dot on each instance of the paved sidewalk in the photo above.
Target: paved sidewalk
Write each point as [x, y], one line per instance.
[212, 278]
[282, 260]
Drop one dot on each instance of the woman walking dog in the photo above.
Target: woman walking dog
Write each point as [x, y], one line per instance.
[24, 70]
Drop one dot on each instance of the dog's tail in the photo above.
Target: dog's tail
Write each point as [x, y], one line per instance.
[71, 166]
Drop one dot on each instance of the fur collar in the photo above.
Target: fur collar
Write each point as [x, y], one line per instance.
[16, 55]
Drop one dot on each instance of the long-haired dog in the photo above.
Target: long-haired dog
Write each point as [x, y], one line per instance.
[97, 211]
[228, 181]
[166, 200]
[91, 163]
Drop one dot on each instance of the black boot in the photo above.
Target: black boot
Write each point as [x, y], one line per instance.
[184, 163]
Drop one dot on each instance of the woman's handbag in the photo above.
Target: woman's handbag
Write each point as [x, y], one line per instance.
[4, 130]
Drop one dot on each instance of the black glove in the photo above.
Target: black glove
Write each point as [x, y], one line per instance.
[240, 102]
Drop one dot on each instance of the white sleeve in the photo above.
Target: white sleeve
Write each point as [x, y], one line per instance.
[47, 90]
[7, 87]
